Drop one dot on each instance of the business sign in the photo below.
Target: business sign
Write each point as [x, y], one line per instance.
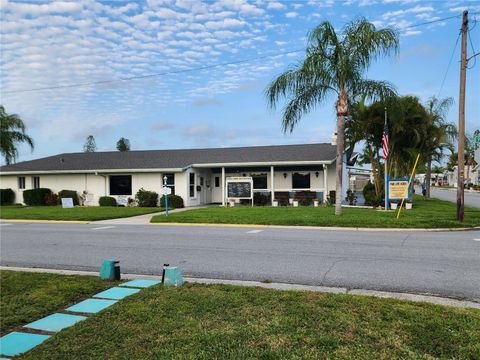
[67, 203]
[239, 187]
[398, 189]
[166, 190]
[122, 200]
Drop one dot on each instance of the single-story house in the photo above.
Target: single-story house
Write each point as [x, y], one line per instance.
[197, 175]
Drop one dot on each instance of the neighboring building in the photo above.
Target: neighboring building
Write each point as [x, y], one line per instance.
[197, 175]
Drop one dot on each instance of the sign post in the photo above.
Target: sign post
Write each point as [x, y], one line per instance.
[166, 191]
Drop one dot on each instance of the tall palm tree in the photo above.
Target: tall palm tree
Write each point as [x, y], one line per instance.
[12, 133]
[335, 64]
[439, 134]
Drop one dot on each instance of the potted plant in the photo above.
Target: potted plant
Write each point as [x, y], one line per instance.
[393, 205]
[316, 202]
[295, 202]
[275, 202]
[231, 202]
[290, 201]
[408, 204]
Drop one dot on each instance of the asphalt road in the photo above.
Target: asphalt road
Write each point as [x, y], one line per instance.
[442, 263]
[472, 199]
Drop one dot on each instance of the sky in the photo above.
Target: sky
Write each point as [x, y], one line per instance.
[196, 101]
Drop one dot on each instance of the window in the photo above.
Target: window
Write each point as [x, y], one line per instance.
[192, 185]
[21, 182]
[217, 181]
[300, 181]
[170, 182]
[260, 181]
[121, 185]
[36, 182]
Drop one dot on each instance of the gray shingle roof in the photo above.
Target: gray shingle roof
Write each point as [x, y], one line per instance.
[161, 159]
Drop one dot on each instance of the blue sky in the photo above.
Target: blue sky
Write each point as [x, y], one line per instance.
[60, 43]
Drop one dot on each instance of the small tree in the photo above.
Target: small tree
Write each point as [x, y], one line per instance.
[90, 145]
[12, 133]
[123, 144]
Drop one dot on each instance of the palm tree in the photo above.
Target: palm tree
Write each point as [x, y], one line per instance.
[12, 133]
[334, 65]
[439, 134]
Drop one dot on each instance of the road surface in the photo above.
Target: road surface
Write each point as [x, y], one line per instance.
[471, 198]
[441, 263]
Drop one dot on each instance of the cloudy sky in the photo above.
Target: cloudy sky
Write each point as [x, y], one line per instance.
[49, 44]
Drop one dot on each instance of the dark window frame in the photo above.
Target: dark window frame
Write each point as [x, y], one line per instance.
[35, 182]
[21, 182]
[191, 185]
[299, 180]
[217, 181]
[170, 181]
[262, 178]
[120, 189]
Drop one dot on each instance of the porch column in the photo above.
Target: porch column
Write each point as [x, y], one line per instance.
[325, 180]
[272, 183]
[223, 186]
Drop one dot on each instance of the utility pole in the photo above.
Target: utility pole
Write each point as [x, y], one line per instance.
[461, 121]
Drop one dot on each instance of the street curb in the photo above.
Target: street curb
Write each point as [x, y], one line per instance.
[46, 221]
[437, 300]
[332, 228]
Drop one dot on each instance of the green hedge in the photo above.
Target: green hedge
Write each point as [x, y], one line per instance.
[174, 201]
[107, 201]
[7, 196]
[146, 198]
[36, 197]
[64, 194]
[371, 198]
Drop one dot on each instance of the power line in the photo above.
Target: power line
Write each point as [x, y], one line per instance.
[173, 72]
[155, 74]
[448, 66]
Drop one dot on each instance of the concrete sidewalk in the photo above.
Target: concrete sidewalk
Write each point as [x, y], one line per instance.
[140, 219]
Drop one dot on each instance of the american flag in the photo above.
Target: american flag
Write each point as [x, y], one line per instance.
[385, 141]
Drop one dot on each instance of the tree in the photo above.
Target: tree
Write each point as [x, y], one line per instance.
[439, 134]
[12, 133]
[334, 65]
[123, 144]
[90, 145]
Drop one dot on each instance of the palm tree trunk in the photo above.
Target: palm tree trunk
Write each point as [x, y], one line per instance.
[429, 176]
[339, 163]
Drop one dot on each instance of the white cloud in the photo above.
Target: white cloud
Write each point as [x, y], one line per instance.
[275, 5]
[291, 14]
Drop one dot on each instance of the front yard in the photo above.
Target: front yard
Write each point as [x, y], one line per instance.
[431, 213]
[78, 213]
[230, 322]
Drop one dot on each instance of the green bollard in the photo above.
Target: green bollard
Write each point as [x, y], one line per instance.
[110, 270]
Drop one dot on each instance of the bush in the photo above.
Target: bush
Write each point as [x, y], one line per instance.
[36, 197]
[332, 197]
[174, 201]
[304, 201]
[69, 194]
[107, 201]
[51, 199]
[371, 198]
[7, 196]
[260, 199]
[351, 198]
[146, 198]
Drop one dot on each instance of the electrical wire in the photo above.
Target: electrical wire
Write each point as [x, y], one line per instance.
[469, 35]
[448, 66]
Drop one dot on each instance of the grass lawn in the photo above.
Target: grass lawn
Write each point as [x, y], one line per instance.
[228, 322]
[432, 213]
[80, 213]
[26, 297]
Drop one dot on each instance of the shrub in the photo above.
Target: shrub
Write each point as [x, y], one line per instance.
[304, 201]
[331, 197]
[7, 196]
[68, 194]
[51, 199]
[36, 197]
[371, 198]
[174, 201]
[351, 197]
[107, 201]
[260, 199]
[283, 201]
[146, 198]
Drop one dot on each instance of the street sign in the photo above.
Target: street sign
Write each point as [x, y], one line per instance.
[67, 203]
[398, 189]
[166, 190]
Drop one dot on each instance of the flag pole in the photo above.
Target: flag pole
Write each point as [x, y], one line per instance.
[386, 175]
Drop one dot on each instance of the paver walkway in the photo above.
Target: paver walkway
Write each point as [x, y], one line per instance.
[140, 219]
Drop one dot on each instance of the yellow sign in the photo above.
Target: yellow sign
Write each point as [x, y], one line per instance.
[398, 189]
